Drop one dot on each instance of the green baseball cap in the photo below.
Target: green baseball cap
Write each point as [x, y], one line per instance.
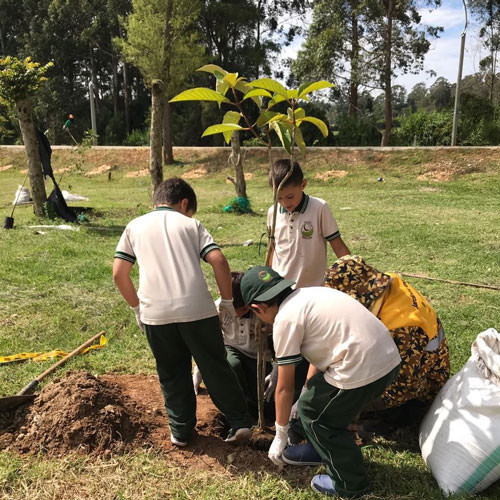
[261, 283]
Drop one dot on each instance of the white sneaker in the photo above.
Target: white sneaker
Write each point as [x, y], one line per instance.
[241, 435]
[177, 442]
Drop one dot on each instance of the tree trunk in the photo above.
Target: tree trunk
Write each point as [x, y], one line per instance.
[167, 50]
[114, 62]
[387, 81]
[126, 98]
[93, 78]
[354, 57]
[240, 183]
[2, 44]
[155, 165]
[25, 116]
[168, 151]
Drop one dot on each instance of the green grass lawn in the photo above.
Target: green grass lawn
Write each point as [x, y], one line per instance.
[57, 291]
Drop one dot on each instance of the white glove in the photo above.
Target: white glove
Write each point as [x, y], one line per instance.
[197, 380]
[137, 312]
[270, 383]
[226, 312]
[279, 443]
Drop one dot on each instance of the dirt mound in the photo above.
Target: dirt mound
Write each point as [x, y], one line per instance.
[331, 174]
[102, 170]
[115, 414]
[195, 173]
[78, 412]
[447, 170]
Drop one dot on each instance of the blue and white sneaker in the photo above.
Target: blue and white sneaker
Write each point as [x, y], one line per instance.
[301, 454]
[322, 483]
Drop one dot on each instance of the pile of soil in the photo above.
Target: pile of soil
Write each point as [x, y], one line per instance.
[114, 414]
[77, 412]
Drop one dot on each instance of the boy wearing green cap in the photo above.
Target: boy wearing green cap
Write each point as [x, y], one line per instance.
[353, 359]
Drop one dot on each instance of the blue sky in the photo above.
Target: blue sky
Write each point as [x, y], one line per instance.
[443, 56]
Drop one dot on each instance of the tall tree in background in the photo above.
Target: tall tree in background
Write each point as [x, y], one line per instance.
[333, 47]
[161, 43]
[366, 43]
[77, 36]
[399, 45]
[244, 34]
[11, 25]
[488, 13]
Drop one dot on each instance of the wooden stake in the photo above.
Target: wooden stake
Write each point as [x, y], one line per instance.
[452, 282]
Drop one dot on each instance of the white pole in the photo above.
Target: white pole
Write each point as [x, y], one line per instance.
[459, 81]
[92, 109]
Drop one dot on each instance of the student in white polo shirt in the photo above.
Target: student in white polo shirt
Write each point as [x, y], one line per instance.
[241, 347]
[354, 360]
[304, 226]
[174, 307]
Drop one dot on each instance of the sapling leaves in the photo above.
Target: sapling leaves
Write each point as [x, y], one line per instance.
[231, 117]
[320, 124]
[221, 128]
[322, 84]
[200, 94]
[271, 85]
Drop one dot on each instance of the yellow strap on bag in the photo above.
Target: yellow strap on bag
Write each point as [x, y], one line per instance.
[42, 356]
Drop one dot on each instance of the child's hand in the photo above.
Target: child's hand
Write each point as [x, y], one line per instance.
[278, 444]
[137, 312]
[197, 380]
[270, 383]
[226, 312]
[294, 412]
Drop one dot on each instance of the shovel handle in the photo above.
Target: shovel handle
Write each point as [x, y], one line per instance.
[33, 384]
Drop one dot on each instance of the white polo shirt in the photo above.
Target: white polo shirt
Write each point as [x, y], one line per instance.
[336, 334]
[240, 334]
[301, 241]
[167, 247]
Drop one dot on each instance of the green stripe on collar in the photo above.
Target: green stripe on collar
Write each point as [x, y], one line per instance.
[302, 207]
[164, 207]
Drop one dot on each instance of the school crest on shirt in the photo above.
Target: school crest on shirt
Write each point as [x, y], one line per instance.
[307, 230]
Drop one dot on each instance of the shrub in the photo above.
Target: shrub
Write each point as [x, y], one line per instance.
[424, 129]
[137, 138]
[356, 131]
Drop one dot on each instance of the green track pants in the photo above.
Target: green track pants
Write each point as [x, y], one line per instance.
[325, 413]
[172, 346]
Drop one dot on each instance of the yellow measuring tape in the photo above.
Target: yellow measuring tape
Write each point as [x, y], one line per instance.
[42, 356]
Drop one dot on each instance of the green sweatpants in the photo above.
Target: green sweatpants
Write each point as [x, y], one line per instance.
[172, 346]
[245, 368]
[325, 413]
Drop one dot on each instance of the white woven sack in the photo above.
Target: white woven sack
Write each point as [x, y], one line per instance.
[22, 196]
[460, 435]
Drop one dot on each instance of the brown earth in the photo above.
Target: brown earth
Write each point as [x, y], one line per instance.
[425, 164]
[331, 174]
[115, 414]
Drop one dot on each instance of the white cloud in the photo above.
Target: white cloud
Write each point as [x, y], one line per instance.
[443, 58]
[446, 17]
